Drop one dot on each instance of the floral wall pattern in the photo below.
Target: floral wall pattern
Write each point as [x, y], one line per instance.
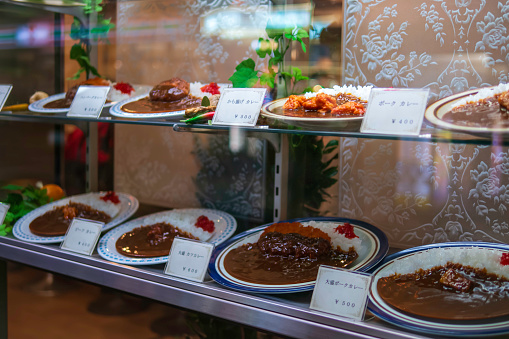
[421, 193]
[160, 39]
[447, 45]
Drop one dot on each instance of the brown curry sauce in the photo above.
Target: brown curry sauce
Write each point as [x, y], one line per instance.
[421, 294]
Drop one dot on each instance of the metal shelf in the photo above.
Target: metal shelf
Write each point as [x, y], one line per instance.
[428, 133]
[287, 315]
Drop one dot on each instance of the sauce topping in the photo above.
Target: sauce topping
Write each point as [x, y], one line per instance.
[485, 113]
[450, 292]
[289, 258]
[145, 105]
[342, 109]
[150, 241]
[57, 221]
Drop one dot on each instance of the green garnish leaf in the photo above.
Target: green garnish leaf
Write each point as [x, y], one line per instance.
[244, 78]
[205, 101]
[268, 79]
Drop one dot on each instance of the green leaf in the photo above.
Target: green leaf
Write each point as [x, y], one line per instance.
[77, 74]
[12, 187]
[332, 143]
[307, 89]
[262, 53]
[301, 33]
[330, 172]
[248, 63]
[77, 51]
[302, 44]
[268, 79]
[205, 101]
[244, 78]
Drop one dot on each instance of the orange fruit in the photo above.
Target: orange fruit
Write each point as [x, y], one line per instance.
[55, 192]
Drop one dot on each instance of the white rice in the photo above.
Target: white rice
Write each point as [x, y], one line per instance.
[115, 95]
[93, 200]
[338, 240]
[476, 257]
[196, 91]
[482, 94]
[359, 91]
[182, 220]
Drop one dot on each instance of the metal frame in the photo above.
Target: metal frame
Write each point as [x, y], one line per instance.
[287, 315]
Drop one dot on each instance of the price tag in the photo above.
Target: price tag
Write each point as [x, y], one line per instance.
[5, 90]
[3, 211]
[82, 236]
[189, 259]
[239, 106]
[341, 292]
[88, 102]
[395, 111]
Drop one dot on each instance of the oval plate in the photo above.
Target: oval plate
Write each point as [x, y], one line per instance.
[472, 328]
[117, 111]
[21, 230]
[270, 110]
[225, 226]
[436, 111]
[374, 248]
[38, 106]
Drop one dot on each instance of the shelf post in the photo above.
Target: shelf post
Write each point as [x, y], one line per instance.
[92, 139]
[281, 179]
[3, 299]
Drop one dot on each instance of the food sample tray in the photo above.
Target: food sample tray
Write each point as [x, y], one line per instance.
[287, 315]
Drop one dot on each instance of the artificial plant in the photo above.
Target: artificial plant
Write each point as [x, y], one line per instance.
[275, 47]
[84, 34]
[307, 151]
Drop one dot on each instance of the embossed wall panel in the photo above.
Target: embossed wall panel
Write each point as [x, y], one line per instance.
[421, 193]
[447, 45]
[198, 41]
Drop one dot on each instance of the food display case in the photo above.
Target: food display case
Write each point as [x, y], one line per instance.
[406, 195]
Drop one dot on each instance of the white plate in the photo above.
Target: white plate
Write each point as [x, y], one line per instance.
[435, 112]
[273, 108]
[225, 225]
[38, 106]
[117, 111]
[390, 314]
[21, 230]
[374, 247]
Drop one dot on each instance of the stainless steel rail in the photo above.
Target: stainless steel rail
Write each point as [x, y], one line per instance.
[287, 315]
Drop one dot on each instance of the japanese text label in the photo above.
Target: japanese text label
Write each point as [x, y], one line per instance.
[239, 106]
[82, 236]
[189, 259]
[89, 101]
[5, 90]
[341, 292]
[395, 111]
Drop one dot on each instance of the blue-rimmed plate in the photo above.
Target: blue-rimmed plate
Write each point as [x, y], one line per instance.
[117, 111]
[426, 257]
[374, 247]
[38, 106]
[225, 225]
[21, 230]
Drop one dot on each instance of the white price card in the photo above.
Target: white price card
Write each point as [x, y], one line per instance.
[82, 236]
[397, 111]
[5, 90]
[88, 102]
[189, 259]
[239, 106]
[3, 211]
[341, 292]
